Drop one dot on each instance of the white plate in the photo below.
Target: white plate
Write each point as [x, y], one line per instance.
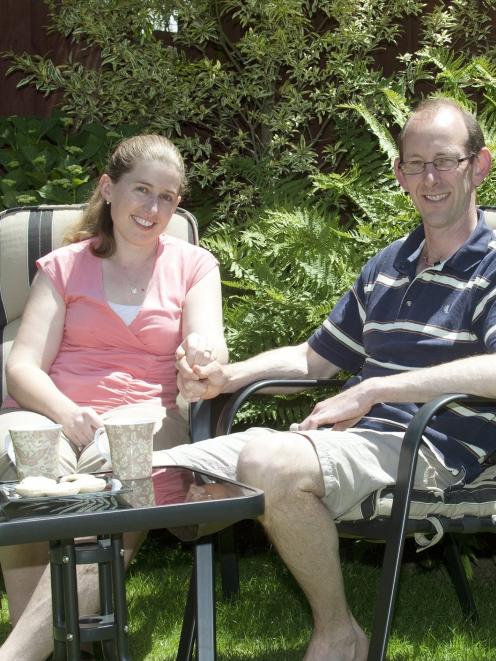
[113, 488]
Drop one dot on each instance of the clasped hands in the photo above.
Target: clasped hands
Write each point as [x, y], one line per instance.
[199, 374]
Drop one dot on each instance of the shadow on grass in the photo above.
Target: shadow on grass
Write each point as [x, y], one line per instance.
[428, 624]
[271, 621]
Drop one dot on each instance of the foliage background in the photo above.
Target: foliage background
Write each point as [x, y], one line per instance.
[285, 117]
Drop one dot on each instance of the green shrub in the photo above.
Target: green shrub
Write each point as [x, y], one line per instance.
[251, 92]
[287, 123]
[48, 161]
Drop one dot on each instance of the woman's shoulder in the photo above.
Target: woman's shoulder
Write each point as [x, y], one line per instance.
[184, 250]
[69, 252]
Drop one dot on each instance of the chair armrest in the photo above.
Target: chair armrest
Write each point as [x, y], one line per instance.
[237, 399]
[410, 446]
[202, 415]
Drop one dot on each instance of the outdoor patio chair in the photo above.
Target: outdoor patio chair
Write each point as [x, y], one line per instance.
[393, 513]
[27, 233]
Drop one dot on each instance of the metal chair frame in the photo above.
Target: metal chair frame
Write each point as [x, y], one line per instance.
[393, 529]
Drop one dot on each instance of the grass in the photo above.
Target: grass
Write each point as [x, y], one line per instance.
[271, 621]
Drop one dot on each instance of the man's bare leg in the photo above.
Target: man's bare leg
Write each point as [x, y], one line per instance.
[31, 638]
[286, 467]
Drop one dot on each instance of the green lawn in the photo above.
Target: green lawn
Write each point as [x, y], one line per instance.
[271, 620]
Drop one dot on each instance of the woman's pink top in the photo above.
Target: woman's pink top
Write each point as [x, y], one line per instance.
[103, 363]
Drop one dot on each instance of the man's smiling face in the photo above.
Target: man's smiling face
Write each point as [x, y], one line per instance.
[443, 199]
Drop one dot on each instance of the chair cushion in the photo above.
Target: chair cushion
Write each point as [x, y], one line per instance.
[475, 499]
[490, 213]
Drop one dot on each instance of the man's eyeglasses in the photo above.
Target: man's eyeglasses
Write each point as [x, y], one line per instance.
[442, 163]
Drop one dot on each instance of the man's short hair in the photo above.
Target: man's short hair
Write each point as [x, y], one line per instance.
[475, 141]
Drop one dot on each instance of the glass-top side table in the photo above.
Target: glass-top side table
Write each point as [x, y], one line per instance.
[179, 498]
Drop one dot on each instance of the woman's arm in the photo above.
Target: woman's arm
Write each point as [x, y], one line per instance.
[202, 323]
[35, 348]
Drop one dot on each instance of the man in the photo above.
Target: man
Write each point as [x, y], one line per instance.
[420, 321]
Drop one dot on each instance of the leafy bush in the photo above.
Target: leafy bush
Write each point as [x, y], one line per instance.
[47, 161]
[251, 92]
[287, 123]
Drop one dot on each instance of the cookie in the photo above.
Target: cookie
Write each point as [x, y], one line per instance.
[91, 485]
[34, 486]
[72, 477]
[87, 482]
[62, 489]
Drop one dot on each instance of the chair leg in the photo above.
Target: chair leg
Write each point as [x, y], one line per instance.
[458, 575]
[229, 566]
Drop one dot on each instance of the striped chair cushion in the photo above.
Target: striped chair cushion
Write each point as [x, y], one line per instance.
[475, 499]
[27, 233]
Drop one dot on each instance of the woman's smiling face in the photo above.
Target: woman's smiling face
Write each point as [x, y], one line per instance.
[142, 200]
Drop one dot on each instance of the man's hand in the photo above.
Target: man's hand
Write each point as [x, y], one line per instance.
[343, 410]
[207, 383]
[193, 356]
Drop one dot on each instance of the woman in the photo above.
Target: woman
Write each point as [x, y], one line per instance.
[99, 334]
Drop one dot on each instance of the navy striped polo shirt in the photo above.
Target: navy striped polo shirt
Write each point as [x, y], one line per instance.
[394, 320]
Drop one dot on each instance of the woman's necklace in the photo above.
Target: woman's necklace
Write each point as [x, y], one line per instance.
[139, 283]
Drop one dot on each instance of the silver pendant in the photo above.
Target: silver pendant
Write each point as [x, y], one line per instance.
[134, 290]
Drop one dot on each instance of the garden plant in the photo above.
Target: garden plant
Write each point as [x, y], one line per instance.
[286, 112]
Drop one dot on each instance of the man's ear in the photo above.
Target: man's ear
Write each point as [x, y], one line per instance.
[402, 180]
[482, 166]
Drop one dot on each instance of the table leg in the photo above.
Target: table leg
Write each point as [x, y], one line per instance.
[58, 617]
[205, 600]
[120, 606]
[70, 600]
[109, 645]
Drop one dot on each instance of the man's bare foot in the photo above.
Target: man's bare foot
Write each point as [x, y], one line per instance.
[352, 647]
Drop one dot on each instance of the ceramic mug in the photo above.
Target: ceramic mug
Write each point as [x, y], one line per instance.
[131, 447]
[36, 449]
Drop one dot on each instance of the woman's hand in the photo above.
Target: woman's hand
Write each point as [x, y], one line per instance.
[193, 357]
[193, 350]
[79, 425]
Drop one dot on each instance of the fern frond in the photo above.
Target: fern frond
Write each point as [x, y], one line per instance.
[386, 141]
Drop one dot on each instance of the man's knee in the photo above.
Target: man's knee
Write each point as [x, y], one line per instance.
[254, 459]
[280, 462]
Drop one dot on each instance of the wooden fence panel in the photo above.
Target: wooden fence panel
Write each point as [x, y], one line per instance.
[23, 29]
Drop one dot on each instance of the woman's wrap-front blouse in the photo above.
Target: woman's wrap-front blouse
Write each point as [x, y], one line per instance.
[103, 363]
